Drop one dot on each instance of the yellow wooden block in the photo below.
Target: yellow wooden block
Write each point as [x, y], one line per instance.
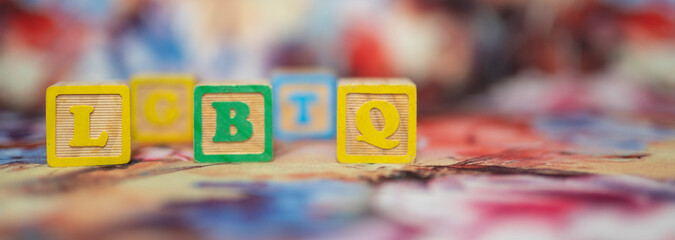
[87, 124]
[376, 121]
[161, 107]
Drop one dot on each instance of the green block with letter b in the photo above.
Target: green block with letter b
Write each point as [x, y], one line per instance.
[233, 122]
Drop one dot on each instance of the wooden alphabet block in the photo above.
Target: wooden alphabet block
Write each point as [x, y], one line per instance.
[376, 121]
[233, 122]
[87, 124]
[161, 107]
[304, 104]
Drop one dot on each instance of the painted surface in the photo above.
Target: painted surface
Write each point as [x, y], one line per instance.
[476, 176]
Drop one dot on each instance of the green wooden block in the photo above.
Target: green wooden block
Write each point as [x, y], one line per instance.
[233, 122]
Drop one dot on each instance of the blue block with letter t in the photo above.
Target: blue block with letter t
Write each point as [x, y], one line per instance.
[304, 104]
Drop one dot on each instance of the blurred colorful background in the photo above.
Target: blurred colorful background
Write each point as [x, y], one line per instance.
[538, 119]
[613, 55]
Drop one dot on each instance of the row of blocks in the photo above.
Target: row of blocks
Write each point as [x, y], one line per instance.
[93, 123]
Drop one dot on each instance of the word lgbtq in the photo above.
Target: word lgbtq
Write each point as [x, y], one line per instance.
[373, 120]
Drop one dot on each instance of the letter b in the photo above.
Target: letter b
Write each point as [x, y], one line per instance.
[224, 122]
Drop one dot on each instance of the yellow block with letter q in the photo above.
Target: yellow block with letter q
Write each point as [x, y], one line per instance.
[376, 120]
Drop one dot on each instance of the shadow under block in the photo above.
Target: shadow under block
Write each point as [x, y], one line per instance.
[161, 107]
[376, 121]
[233, 122]
[304, 105]
[87, 124]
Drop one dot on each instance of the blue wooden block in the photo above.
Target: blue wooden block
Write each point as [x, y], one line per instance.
[304, 105]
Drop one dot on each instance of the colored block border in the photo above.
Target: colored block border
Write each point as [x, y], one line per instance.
[200, 90]
[278, 80]
[188, 82]
[344, 90]
[53, 92]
